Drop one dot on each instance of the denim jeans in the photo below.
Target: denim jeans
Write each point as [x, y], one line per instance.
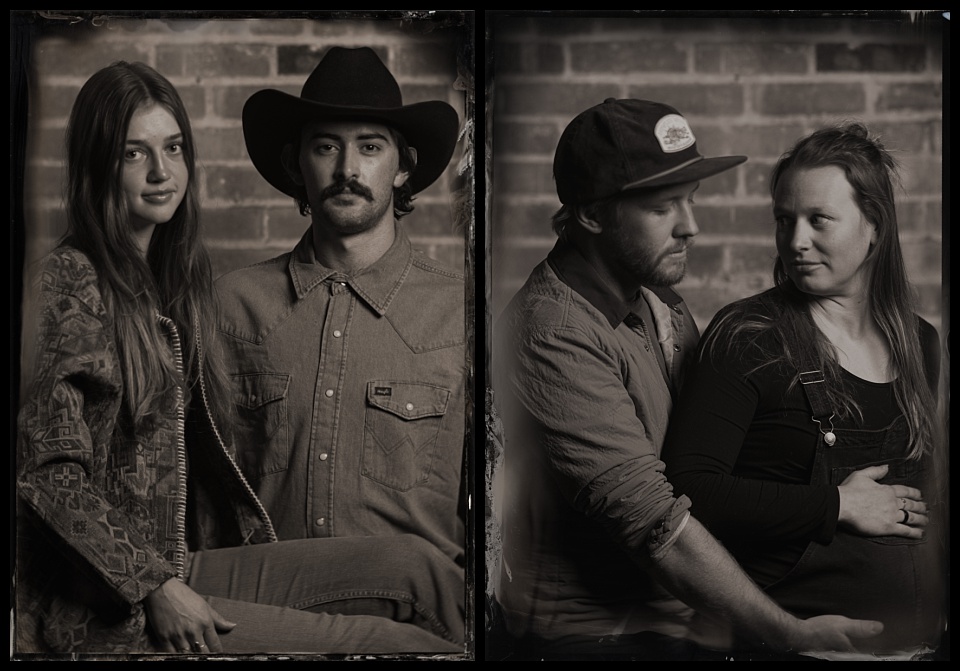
[334, 595]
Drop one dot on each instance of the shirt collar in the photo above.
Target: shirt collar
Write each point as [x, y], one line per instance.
[580, 276]
[376, 284]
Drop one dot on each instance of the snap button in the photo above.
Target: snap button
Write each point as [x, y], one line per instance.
[336, 334]
[323, 456]
[328, 392]
[320, 521]
[409, 406]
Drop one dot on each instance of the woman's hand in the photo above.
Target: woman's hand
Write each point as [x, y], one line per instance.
[871, 509]
[182, 620]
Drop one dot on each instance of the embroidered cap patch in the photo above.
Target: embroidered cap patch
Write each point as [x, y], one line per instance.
[673, 133]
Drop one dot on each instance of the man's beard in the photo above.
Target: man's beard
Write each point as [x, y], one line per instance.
[349, 222]
[644, 267]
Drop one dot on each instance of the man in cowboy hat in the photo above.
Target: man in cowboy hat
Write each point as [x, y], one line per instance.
[589, 357]
[347, 353]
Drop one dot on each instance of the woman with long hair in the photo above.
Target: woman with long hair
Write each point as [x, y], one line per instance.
[136, 530]
[806, 431]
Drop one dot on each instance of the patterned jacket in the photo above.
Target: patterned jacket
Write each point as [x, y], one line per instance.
[106, 512]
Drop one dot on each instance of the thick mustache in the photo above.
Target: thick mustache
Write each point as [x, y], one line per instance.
[352, 186]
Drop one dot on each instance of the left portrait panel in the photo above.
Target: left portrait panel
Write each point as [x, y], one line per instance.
[242, 353]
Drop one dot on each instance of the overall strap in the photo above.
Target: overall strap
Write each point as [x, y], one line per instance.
[814, 386]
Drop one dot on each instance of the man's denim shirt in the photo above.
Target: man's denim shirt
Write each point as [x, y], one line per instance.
[583, 383]
[350, 393]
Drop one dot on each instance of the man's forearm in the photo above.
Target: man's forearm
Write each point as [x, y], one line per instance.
[697, 569]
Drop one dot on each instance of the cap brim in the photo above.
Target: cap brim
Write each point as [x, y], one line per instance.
[688, 172]
[271, 119]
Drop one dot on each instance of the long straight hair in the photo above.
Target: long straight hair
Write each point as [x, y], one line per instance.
[176, 278]
[871, 172]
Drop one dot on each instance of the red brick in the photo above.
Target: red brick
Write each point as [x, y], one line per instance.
[922, 259]
[870, 58]
[750, 59]
[220, 144]
[518, 218]
[724, 184]
[511, 138]
[83, 53]
[524, 177]
[921, 174]
[426, 59]
[54, 102]
[919, 216]
[228, 101]
[555, 99]
[47, 144]
[930, 305]
[45, 182]
[632, 56]
[415, 93]
[706, 99]
[820, 98]
[430, 219]
[239, 184]
[753, 259]
[704, 260]
[902, 135]
[528, 58]
[762, 141]
[757, 177]
[215, 60]
[450, 253]
[285, 223]
[234, 224]
[908, 96]
[727, 219]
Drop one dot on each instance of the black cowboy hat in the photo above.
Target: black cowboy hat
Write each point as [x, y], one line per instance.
[348, 84]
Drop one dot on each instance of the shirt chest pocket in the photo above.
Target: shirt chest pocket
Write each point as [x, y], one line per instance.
[261, 431]
[401, 423]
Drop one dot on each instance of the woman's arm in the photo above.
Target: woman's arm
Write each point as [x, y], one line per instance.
[720, 399]
[65, 433]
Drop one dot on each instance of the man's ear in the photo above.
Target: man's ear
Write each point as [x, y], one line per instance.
[403, 175]
[291, 164]
[586, 220]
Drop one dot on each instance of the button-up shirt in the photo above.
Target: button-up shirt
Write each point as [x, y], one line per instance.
[584, 388]
[350, 393]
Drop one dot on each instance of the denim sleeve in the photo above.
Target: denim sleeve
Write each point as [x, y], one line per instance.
[596, 447]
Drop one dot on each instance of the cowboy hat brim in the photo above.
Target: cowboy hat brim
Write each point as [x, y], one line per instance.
[273, 119]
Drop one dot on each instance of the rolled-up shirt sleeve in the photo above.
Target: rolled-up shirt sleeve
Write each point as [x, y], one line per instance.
[598, 440]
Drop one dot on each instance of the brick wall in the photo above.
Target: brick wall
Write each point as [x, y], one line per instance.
[748, 86]
[216, 65]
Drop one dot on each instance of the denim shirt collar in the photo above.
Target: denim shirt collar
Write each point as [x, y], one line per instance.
[376, 284]
[580, 276]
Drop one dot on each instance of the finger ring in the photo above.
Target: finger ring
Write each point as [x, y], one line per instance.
[198, 644]
[906, 516]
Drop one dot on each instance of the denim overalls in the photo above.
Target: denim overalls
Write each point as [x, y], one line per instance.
[896, 580]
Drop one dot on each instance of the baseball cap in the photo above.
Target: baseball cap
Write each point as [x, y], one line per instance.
[620, 145]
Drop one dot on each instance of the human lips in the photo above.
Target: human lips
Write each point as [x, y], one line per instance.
[159, 197]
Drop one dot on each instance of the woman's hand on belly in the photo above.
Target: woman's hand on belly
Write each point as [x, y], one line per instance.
[872, 509]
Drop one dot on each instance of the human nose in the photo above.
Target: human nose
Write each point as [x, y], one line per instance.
[686, 226]
[348, 165]
[799, 236]
[159, 172]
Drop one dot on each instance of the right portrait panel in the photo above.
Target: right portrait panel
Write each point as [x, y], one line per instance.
[717, 336]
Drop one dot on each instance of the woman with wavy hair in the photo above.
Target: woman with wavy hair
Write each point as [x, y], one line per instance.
[806, 433]
[136, 530]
